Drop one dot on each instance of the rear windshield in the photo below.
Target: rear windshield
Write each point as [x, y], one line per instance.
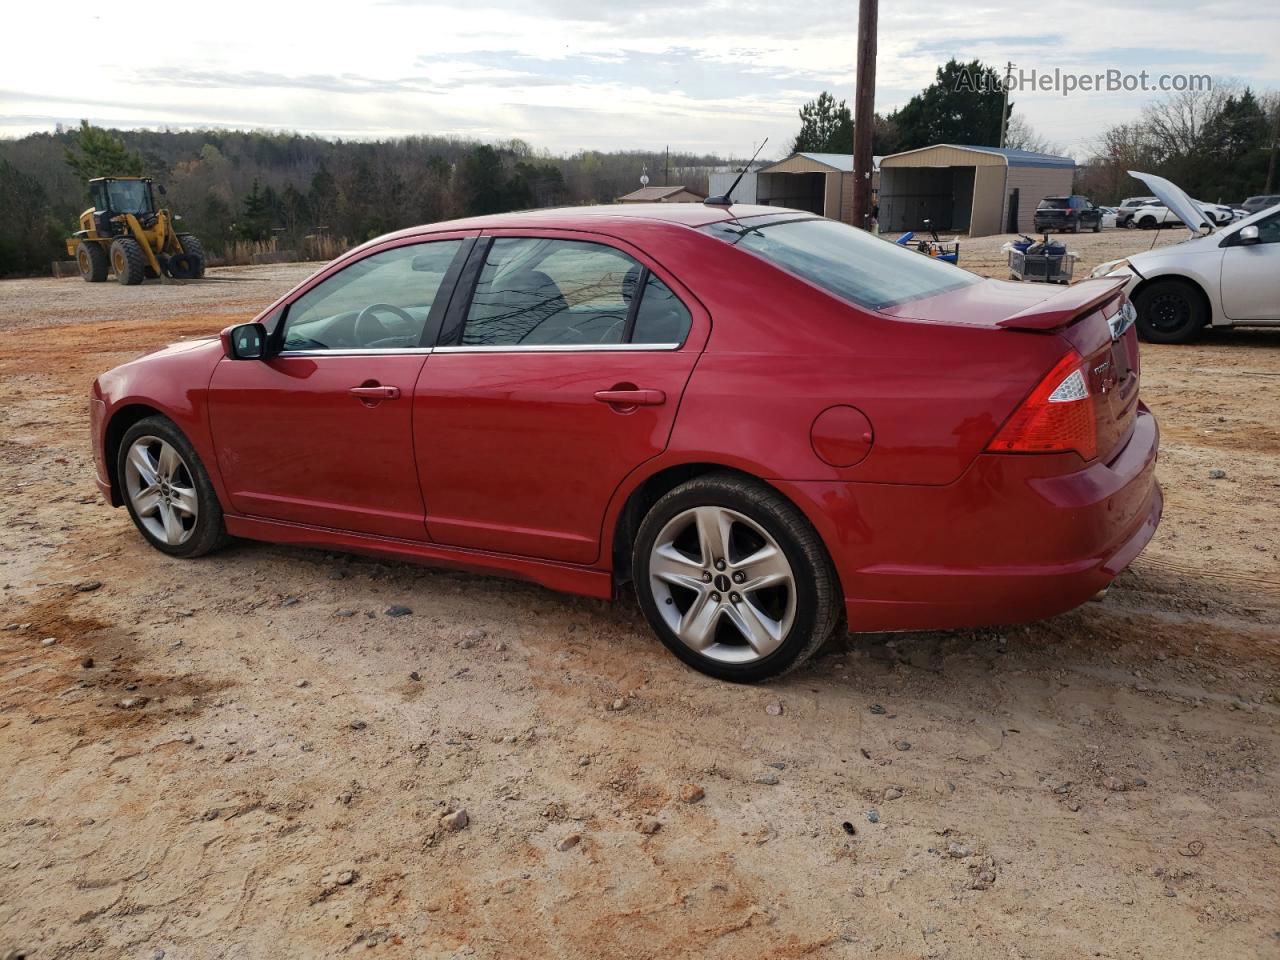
[1054, 203]
[847, 262]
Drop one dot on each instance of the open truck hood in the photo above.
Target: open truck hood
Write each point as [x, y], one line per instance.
[1186, 209]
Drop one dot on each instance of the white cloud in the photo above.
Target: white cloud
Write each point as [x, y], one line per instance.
[566, 74]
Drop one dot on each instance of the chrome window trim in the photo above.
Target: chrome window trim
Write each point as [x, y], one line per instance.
[561, 348]
[358, 352]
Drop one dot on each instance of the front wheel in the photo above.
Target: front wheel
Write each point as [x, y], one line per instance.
[1170, 311]
[167, 490]
[192, 246]
[128, 261]
[734, 579]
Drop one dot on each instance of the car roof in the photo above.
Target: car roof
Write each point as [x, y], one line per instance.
[617, 215]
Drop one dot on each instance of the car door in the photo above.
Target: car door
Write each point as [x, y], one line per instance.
[1251, 274]
[559, 371]
[319, 432]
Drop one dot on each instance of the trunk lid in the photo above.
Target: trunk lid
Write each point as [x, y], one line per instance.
[1092, 316]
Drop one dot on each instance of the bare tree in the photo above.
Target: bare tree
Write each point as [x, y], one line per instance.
[1022, 136]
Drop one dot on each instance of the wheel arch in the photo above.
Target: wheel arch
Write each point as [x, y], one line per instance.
[649, 489]
[1195, 283]
[119, 423]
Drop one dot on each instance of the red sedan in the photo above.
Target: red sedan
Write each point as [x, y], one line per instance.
[773, 425]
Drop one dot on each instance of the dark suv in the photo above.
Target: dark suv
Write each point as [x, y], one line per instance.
[1072, 213]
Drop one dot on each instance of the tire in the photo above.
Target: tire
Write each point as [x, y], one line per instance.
[1147, 223]
[185, 266]
[92, 260]
[791, 620]
[181, 516]
[191, 244]
[1097, 226]
[1170, 311]
[128, 261]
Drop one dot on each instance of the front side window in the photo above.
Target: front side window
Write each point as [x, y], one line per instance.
[538, 291]
[379, 303]
[850, 263]
[1269, 229]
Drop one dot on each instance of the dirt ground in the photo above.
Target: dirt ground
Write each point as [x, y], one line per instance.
[244, 757]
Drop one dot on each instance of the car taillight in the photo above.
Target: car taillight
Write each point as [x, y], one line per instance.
[1056, 417]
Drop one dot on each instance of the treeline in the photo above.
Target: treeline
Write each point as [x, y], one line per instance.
[1216, 144]
[231, 186]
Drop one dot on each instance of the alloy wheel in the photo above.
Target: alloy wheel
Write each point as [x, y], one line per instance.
[722, 584]
[162, 490]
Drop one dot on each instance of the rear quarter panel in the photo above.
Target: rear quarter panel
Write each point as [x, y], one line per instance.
[781, 351]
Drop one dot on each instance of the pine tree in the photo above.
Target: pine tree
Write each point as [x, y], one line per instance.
[99, 153]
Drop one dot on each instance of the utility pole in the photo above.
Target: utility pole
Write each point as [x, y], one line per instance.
[666, 170]
[1004, 108]
[864, 114]
[1275, 148]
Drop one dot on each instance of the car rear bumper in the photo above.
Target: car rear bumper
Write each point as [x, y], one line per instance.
[1016, 538]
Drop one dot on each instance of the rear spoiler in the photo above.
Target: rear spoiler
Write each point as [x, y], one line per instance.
[1061, 308]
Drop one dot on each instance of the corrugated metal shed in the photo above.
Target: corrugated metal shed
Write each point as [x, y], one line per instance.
[662, 195]
[964, 155]
[817, 163]
[976, 189]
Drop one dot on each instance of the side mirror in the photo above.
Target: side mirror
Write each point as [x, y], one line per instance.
[425, 263]
[246, 341]
[1247, 236]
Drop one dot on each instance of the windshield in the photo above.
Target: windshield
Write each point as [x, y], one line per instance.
[129, 196]
[842, 260]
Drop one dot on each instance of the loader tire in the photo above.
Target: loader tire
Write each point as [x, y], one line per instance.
[92, 260]
[128, 261]
[191, 244]
[185, 266]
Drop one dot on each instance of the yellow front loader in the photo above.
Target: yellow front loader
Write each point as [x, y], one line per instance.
[123, 233]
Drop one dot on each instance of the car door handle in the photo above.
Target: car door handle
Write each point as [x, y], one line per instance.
[375, 392]
[631, 397]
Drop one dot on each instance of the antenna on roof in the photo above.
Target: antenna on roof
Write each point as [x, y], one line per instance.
[723, 200]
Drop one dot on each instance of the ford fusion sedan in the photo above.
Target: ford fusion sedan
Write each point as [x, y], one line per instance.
[770, 426]
[1216, 278]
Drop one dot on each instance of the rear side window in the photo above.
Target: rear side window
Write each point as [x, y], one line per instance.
[543, 292]
[850, 263]
[660, 317]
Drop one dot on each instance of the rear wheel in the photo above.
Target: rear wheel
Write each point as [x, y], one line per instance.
[1147, 223]
[1097, 225]
[1170, 311]
[191, 245]
[734, 579]
[92, 260]
[128, 261]
[167, 490]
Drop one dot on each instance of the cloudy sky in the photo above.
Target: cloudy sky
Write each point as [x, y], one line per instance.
[700, 76]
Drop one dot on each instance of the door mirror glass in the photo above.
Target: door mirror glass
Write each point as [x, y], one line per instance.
[1247, 235]
[248, 341]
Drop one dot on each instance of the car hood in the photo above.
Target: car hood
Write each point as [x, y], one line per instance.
[1186, 209]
